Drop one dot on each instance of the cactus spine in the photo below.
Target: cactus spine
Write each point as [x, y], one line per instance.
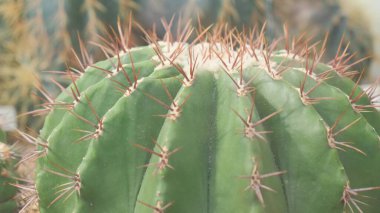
[205, 127]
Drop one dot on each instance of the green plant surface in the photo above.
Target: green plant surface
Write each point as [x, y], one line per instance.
[204, 127]
[39, 35]
[7, 192]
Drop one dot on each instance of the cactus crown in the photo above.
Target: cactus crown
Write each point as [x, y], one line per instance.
[223, 123]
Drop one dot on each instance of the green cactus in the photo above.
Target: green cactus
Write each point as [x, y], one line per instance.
[205, 127]
[7, 192]
[30, 24]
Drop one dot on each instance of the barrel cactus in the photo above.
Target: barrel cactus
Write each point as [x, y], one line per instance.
[226, 123]
[31, 23]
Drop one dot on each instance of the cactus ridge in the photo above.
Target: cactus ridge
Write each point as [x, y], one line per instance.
[225, 123]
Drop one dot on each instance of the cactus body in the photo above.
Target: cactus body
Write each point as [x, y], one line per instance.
[176, 127]
[39, 35]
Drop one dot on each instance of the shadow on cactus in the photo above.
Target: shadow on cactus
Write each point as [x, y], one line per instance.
[210, 121]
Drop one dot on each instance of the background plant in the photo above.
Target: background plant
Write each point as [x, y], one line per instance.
[8, 159]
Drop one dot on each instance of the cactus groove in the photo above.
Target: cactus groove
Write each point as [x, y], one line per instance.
[222, 124]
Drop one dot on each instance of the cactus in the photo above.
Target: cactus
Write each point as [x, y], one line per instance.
[7, 192]
[33, 23]
[16, 192]
[221, 124]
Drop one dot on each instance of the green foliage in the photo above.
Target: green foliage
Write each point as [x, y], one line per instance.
[210, 127]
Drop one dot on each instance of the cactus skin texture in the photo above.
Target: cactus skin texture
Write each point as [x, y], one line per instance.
[7, 192]
[177, 127]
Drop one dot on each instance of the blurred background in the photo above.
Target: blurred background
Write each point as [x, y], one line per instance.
[38, 38]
